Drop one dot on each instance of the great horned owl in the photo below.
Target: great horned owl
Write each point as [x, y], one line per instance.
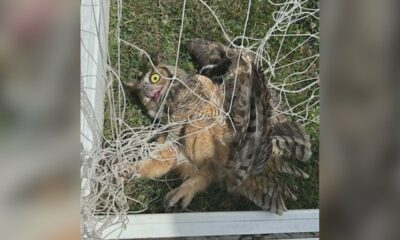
[225, 132]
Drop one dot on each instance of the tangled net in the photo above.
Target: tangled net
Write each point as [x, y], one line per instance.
[104, 202]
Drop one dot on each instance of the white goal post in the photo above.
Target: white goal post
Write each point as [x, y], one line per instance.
[217, 224]
[94, 21]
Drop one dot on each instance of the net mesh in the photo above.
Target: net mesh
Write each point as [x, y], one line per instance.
[290, 70]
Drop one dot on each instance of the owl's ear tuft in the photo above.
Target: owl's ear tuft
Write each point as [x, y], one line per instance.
[157, 58]
[140, 74]
[130, 86]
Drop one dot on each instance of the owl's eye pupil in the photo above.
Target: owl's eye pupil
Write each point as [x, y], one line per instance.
[154, 78]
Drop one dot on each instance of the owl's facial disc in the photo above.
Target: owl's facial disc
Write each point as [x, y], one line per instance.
[152, 88]
[155, 86]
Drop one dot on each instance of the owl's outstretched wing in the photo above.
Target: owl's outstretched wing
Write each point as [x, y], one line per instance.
[262, 154]
[250, 148]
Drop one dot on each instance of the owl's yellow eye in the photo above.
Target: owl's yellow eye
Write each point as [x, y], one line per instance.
[154, 78]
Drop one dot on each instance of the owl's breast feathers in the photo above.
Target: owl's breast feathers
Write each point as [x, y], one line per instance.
[197, 99]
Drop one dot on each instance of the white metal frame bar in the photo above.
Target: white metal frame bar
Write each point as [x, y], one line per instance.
[94, 32]
[177, 224]
[217, 223]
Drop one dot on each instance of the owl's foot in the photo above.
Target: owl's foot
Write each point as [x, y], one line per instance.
[182, 193]
[126, 172]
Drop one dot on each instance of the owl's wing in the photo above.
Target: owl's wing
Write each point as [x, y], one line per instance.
[290, 140]
[265, 152]
[247, 102]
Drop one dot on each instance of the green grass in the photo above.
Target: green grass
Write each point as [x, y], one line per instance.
[154, 26]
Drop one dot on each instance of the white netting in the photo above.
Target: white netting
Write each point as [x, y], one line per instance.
[294, 78]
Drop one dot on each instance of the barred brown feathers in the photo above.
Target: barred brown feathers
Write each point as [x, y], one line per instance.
[289, 139]
[267, 192]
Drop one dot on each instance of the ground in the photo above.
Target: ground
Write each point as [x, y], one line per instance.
[154, 26]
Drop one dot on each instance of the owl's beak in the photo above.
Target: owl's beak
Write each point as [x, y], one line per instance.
[157, 94]
[154, 95]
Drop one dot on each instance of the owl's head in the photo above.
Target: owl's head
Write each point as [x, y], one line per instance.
[152, 87]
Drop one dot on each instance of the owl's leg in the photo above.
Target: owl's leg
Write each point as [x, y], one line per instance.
[189, 189]
[152, 168]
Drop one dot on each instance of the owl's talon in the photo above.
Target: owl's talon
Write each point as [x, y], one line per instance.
[167, 199]
[182, 194]
[127, 173]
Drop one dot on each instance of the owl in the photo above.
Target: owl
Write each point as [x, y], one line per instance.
[223, 130]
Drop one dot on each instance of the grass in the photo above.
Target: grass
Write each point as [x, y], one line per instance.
[154, 26]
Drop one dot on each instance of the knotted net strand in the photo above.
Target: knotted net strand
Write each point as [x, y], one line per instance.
[104, 202]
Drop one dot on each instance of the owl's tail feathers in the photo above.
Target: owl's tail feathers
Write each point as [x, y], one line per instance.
[279, 164]
[267, 192]
[266, 189]
[290, 140]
